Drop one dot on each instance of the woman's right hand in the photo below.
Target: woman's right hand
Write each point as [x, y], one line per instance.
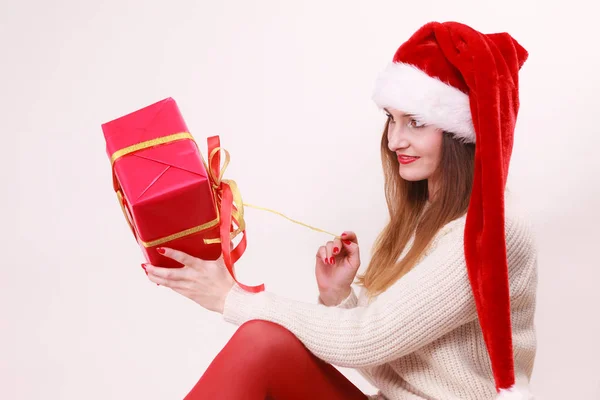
[337, 264]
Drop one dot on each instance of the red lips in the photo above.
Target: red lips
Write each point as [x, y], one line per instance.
[404, 159]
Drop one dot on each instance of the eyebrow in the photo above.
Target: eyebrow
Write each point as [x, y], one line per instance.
[403, 115]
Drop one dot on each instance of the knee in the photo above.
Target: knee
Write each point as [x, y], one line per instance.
[259, 331]
[266, 339]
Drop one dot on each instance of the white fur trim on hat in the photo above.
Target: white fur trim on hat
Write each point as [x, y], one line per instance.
[517, 392]
[406, 88]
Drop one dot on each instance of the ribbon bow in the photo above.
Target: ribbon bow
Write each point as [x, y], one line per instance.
[231, 210]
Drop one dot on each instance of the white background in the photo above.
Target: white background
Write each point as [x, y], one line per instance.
[287, 86]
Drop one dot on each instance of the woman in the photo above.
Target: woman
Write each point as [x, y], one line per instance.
[446, 305]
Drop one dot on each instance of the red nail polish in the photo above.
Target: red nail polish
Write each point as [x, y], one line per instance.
[332, 260]
[344, 234]
[160, 250]
[335, 250]
[347, 242]
[144, 266]
[325, 261]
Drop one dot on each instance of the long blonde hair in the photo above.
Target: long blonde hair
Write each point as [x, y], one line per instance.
[406, 203]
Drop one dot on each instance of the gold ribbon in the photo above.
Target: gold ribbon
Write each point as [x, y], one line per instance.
[150, 143]
[292, 220]
[237, 198]
[237, 211]
[144, 145]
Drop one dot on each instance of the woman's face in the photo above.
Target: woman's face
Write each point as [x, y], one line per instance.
[417, 146]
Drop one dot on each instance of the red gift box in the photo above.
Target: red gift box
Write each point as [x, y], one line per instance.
[169, 195]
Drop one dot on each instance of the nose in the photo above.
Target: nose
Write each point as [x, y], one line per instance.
[396, 138]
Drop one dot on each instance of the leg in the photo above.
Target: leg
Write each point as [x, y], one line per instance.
[263, 360]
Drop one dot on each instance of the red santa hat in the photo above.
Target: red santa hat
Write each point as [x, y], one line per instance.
[467, 83]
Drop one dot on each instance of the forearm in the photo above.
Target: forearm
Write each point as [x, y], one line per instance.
[360, 336]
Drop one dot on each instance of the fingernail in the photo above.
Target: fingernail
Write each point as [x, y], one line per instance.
[344, 234]
[332, 260]
[160, 250]
[347, 242]
[144, 266]
[325, 260]
[335, 250]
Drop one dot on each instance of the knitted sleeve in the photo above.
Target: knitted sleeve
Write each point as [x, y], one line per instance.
[431, 300]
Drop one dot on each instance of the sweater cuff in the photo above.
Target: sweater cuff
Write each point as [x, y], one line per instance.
[350, 301]
[236, 309]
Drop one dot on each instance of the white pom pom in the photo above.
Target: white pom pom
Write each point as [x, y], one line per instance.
[517, 392]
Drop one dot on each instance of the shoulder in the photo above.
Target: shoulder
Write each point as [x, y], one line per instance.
[518, 226]
[521, 248]
[520, 241]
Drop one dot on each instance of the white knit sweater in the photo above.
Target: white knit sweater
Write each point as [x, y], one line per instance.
[421, 338]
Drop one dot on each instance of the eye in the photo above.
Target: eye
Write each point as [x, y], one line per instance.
[413, 123]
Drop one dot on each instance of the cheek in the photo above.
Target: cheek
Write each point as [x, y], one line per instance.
[434, 146]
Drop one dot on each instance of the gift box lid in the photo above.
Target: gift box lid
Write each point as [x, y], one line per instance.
[144, 167]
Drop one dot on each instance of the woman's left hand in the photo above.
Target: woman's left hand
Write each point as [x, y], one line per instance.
[203, 281]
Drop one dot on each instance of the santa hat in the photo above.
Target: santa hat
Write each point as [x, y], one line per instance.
[466, 82]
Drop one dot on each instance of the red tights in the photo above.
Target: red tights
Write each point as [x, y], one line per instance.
[263, 360]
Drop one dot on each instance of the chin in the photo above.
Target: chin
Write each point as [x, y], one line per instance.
[412, 177]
